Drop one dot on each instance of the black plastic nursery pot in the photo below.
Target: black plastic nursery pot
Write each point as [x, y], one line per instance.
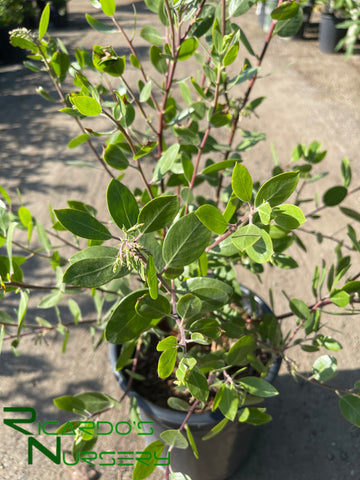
[8, 53]
[329, 35]
[221, 455]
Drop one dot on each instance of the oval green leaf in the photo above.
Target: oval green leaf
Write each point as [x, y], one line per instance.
[108, 7]
[246, 236]
[262, 250]
[350, 408]
[278, 189]
[158, 213]
[242, 183]
[187, 48]
[334, 196]
[82, 224]
[122, 205]
[87, 106]
[125, 324]
[258, 387]
[93, 272]
[185, 241]
[167, 362]
[212, 218]
[174, 438]
[188, 306]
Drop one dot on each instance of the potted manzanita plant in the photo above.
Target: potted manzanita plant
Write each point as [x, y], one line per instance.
[184, 325]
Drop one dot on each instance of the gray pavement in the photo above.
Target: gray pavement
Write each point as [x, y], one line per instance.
[310, 96]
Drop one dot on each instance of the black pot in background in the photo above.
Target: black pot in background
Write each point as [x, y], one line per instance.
[220, 456]
[307, 11]
[8, 53]
[58, 12]
[329, 35]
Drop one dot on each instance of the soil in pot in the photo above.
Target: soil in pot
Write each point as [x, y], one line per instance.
[219, 456]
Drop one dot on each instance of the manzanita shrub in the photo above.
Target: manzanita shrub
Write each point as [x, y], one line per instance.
[195, 218]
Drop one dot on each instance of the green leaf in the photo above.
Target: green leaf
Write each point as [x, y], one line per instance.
[151, 309]
[238, 353]
[334, 196]
[192, 443]
[352, 286]
[188, 306]
[328, 342]
[261, 250]
[265, 213]
[157, 59]
[79, 140]
[60, 64]
[278, 189]
[219, 119]
[174, 438]
[43, 237]
[51, 300]
[299, 308]
[215, 167]
[86, 105]
[197, 384]
[114, 156]
[350, 213]
[178, 404]
[285, 11]
[212, 292]
[215, 430]
[99, 26]
[340, 298]
[207, 326]
[346, 172]
[212, 219]
[324, 368]
[145, 150]
[145, 466]
[187, 48]
[239, 7]
[125, 323]
[108, 7]
[158, 213]
[122, 205]
[135, 61]
[82, 224]
[166, 162]
[167, 362]
[242, 183]
[93, 272]
[151, 278]
[97, 251]
[105, 59]
[231, 55]
[289, 26]
[22, 38]
[44, 21]
[151, 35]
[350, 408]
[166, 343]
[246, 236]
[145, 93]
[258, 387]
[254, 416]
[288, 217]
[185, 241]
[229, 402]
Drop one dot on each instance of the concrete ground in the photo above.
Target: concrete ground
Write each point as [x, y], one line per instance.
[310, 96]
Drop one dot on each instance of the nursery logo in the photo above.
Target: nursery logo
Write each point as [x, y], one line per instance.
[83, 428]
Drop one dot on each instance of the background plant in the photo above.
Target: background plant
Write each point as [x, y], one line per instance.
[179, 134]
